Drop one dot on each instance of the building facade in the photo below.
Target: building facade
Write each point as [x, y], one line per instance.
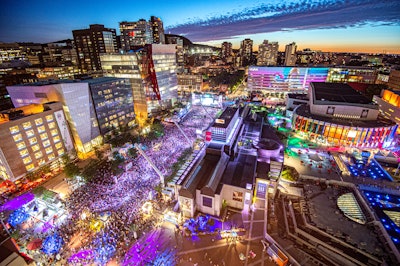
[157, 30]
[394, 80]
[32, 136]
[246, 52]
[92, 108]
[290, 54]
[389, 106]
[136, 33]
[188, 83]
[153, 75]
[267, 53]
[339, 115]
[226, 51]
[92, 42]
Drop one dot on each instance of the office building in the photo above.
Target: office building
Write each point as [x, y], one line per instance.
[92, 107]
[157, 30]
[336, 114]
[152, 74]
[180, 51]
[290, 54]
[31, 137]
[226, 51]
[246, 52]
[267, 53]
[188, 83]
[92, 42]
[133, 34]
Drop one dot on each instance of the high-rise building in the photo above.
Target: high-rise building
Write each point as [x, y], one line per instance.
[137, 33]
[180, 52]
[157, 30]
[92, 42]
[267, 53]
[152, 73]
[246, 52]
[290, 54]
[92, 107]
[226, 50]
[31, 137]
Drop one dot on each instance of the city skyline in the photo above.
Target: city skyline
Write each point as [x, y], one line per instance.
[330, 26]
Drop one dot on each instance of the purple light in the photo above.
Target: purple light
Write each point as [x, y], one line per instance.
[86, 254]
[17, 202]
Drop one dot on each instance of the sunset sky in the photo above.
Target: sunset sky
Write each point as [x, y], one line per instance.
[353, 26]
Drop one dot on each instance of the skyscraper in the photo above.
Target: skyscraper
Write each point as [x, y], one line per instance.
[226, 50]
[92, 42]
[267, 53]
[246, 52]
[157, 30]
[137, 33]
[290, 54]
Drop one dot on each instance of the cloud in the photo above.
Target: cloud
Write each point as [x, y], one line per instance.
[288, 16]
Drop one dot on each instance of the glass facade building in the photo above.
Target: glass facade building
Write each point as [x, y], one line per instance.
[113, 102]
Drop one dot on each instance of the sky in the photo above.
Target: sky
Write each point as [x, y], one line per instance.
[336, 26]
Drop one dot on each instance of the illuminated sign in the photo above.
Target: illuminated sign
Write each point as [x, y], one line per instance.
[208, 136]
[220, 121]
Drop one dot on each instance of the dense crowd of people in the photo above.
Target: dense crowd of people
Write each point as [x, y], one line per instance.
[121, 197]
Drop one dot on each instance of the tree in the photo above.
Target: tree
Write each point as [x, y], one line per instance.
[99, 153]
[132, 152]
[71, 170]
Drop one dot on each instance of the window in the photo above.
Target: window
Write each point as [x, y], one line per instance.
[49, 118]
[207, 201]
[21, 145]
[30, 133]
[52, 125]
[29, 167]
[43, 136]
[54, 132]
[38, 155]
[56, 139]
[60, 152]
[51, 156]
[41, 129]
[27, 160]
[32, 141]
[17, 137]
[46, 143]
[49, 150]
[58, 145]
[41, 162]
[39, 121]
[26, 125]
[330, 110]
[14, 129]
[23, 153]
[35, 147]
[237, 196]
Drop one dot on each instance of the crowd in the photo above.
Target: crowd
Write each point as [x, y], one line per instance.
[123, 196]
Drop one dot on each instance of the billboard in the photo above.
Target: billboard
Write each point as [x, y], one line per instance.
[284, 78]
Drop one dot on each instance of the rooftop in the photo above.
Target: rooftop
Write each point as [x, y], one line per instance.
[338, 92]
[225, 118]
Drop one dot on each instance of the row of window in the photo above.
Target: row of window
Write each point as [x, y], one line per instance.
[51, 156]
[28, 124]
